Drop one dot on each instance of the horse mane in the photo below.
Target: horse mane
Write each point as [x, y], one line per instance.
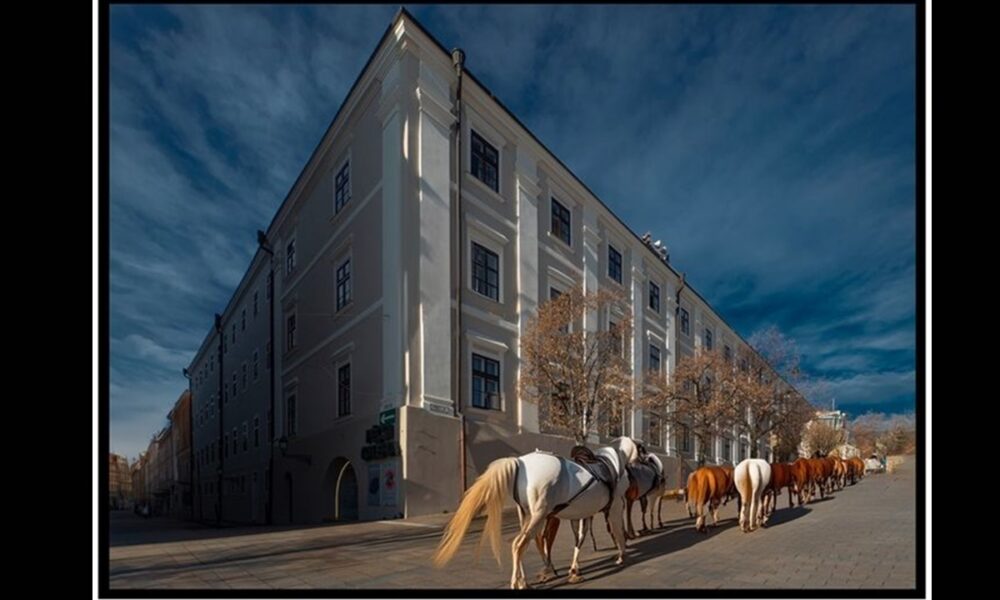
[582, 454]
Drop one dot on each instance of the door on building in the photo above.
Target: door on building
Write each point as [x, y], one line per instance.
[347, 494]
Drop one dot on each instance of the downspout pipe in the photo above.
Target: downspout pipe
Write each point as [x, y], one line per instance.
[266, 247]
[458, 62]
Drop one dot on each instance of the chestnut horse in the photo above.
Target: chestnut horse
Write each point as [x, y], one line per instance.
[802, 473]
[781, 477]
[709, 486]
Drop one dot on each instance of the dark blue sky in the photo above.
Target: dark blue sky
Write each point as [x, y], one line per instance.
[771, 148]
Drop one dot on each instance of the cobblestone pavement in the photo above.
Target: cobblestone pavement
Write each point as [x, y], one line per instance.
[862, 537]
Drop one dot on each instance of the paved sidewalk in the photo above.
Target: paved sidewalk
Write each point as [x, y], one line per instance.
[863, 537]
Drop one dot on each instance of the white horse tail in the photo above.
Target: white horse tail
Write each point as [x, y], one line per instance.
[488, 492]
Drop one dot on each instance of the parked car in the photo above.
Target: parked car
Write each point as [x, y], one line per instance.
[874, 464]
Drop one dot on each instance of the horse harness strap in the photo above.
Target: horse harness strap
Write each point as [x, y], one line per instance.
[600, 470]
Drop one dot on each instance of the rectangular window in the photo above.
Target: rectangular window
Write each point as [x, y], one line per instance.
[234, 385]
[743, 450]
[343, 284]
[211, 364]
[654, 358]
[727, 353]
[554, 293]
[654, 296]
[256, 371]
[234, 334]
[485, 382]
[246, 436]
[256, 432]
[344, 390]
[485, 272]
[236, 441]
[685, 439]
[244, 378]
[291, 427]
[290, 257]
[243, 320]
[485, 162]
[560, 222]
[685, 322]
[290, 333]
[727, 449]
[614, 264]
[255, 294]
[342, 188]
[708, 339]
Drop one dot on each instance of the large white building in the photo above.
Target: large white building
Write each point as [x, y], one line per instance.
[400, 271]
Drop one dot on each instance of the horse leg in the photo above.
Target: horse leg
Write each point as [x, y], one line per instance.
[574, 570]
[521, 540]
[544, 540]
[592, 538]
[643, 505]
[630, 531]
[659, 511]
[615, 528]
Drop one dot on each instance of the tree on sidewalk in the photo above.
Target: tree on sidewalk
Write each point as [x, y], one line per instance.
[700, 395]
[573, 374]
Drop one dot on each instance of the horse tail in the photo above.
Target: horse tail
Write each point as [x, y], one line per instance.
[488, 492]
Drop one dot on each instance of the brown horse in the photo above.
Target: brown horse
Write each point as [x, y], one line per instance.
[710, 486]
[803, 476]
[781, 477]
[857, 469]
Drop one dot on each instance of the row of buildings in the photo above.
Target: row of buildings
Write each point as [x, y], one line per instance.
[160, 478]
[366, 366]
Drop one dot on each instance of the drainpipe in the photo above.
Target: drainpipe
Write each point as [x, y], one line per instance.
[222, 450]
[458, 61]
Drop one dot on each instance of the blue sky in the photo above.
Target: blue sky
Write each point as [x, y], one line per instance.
[771, 148]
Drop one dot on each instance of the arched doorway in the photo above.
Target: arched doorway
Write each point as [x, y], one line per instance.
[345, 490]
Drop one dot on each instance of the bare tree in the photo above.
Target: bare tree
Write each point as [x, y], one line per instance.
[701, 395]
[572, 373]
[822, 438]
[769, 407]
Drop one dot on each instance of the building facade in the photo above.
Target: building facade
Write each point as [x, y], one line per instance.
[372, 347]
[119, 482]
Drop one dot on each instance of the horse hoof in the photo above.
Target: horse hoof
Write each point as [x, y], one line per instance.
[620, 561]
[575, 578]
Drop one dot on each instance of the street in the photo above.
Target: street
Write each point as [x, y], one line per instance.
[862, 537]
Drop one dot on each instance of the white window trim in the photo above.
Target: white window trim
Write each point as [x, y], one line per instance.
[341, 256]
[478, 343]
[474, 122]
[350, 183]
[342, 357]
[572, 211]
[476, 235]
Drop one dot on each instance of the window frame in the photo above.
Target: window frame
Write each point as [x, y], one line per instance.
[347, 283]
[489, 249]
[620, 263]
[685, 321]
[345, 165]
[340, 389]
[557, 206]
[473, 136]
[654, 286]
[473, 374]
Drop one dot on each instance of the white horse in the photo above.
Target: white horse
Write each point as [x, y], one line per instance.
[751, 476]
[542, 485]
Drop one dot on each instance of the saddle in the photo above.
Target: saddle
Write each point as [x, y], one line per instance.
[599, 467]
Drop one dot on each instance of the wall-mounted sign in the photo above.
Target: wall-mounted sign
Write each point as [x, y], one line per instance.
[380, 442]
[387, 417]
[389, 483]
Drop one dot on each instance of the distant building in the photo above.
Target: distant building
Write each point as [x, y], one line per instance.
[119, 482]
[835, 419]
